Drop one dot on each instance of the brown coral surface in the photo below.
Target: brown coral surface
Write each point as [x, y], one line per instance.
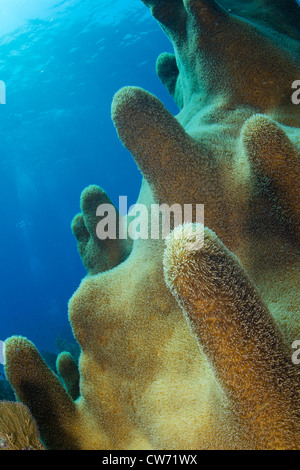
[18, 430]
[190, 348]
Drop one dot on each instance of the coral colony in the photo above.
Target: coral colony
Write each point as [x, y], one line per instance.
[191, 348]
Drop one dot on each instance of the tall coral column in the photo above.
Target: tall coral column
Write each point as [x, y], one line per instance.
[239, 336]
[185, 349]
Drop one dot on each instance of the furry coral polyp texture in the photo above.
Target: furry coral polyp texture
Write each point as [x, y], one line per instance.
[17, 428]
[190, 348]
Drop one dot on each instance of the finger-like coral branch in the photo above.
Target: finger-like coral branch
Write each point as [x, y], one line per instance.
[68, 370]
[167, 71]
[275, 156]
[159, 144]
[238, 335]
[40, 389]
[98, 254]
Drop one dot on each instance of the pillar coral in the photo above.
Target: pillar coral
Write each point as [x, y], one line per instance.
[191, 348]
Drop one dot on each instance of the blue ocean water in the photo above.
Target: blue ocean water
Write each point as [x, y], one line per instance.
[62, 62]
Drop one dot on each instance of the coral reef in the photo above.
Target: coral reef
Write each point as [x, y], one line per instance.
[18, 430]
[190, 348]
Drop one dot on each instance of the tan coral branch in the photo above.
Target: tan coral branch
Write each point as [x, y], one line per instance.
[238, 334]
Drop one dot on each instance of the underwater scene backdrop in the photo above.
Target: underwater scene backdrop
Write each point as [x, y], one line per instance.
[186, 342]
[62, 62]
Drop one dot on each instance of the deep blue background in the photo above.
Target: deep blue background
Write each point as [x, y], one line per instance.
[61, 68]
